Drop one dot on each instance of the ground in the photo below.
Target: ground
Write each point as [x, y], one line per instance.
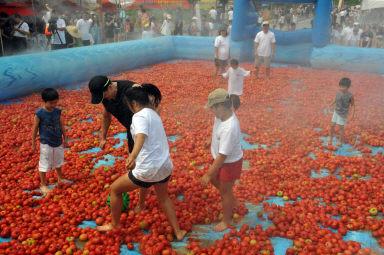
[298, 192]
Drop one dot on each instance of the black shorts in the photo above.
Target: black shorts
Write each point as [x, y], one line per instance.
[219, 62]
[235, 101]
[145, 184]
[58, 46]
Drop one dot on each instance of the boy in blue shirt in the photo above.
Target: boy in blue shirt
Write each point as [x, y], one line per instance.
[49, 122]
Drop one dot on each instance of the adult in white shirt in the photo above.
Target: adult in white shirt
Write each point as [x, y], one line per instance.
[213, 13]
[20, 33]
[347, 32]
[222, 52]
[354, 41]
[149, 164]
[264, 49]
[166, 27]
[230, 14]
[236, 76]
[260, 20]
[83, 25]
[58, 33]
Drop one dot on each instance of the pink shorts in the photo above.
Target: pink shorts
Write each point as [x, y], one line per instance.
[230, 172]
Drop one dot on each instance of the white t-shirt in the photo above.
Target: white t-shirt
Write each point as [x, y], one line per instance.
[23, 26]
[260, 19]
[294, 19]
[355, 40]
[265, 41]
[222, 43]
[47, 17]
[55, 36]
[347, 33]
[236, 80]
[226, 139]
[153, 163]
[83, 26]
[230, 15]
[213, 14]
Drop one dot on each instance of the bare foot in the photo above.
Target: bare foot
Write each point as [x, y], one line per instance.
[139, 208]
[329, 141]
[339, 144]
[180, 235]
[221, 227]
[236, 203]
[106, 228]
[44, 189]
[60, 181]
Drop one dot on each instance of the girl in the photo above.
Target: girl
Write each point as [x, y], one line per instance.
[149, 163]
[222, 53]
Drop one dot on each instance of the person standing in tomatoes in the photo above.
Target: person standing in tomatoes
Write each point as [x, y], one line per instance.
[222, 53]
[226, 152]
[110, 94]
[149, 163]
[264, 49]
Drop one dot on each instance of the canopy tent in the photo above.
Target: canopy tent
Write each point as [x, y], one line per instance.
[24, 9]
[372, 4]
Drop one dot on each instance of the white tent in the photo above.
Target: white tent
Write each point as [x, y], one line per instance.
[372, 4]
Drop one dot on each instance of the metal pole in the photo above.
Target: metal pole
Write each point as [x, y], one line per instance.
[1, 40]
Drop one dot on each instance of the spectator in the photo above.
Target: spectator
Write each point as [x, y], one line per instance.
[336, 35]
[282, 21]
[230, 15]
[179, 22]
[57, 28]
[355, 38]
[154, 29]
[73, 37]
[347, 32]
[260, 20]
[95, 30]
[213, 14]
[144, 20]
[366, 37]
[229, 29]
[109, 27]
[204, 26]
[19, 34]
[117, 27]
[83, 25]
[294, 18]
[379, 40]
[211, 25]
[293, 27]
[192, 30]
[6, 33]
[166, 28]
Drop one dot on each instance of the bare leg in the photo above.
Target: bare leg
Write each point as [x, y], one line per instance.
[267, 72]
[216, 72]
[169, 210]
[43, 181]
[256, 72]
[217, 184]
[332, 133]
[340, 143]
[59, 175]
[227, 199]
[121, 185]
[221, 70]
[141, 204]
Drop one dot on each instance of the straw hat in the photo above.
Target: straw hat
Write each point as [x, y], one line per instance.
[74, 31]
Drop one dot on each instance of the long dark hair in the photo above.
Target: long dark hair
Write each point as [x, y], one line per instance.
[154, 91]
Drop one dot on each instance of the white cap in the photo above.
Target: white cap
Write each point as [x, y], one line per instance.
[356, 24]
[194, 17]
[265, 23]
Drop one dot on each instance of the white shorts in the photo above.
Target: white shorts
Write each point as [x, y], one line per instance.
[50, 157]
[338, 119]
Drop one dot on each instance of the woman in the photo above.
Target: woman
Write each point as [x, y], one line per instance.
[166, 28]
[95, 29]
[109, 28]
[222, 52]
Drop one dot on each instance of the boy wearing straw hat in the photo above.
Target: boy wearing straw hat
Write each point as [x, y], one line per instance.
[75, 33]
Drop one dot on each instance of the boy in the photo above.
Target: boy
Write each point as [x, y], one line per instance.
[235, 83]
[226, 152]
[344, 100]
[49, 122]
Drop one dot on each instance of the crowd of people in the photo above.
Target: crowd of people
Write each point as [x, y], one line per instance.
[357, 28]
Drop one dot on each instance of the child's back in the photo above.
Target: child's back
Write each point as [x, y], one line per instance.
[49, 127]
[343, 102]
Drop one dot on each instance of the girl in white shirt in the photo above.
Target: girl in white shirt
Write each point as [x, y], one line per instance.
[222, 52]
[149, 163]
[226, 152]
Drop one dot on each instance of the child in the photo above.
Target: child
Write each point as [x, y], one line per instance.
[222, 52]
[149, 162]
[226, 152]
[344, 100]
[49, 122]
[235, 83]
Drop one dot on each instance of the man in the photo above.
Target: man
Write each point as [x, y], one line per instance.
[230, 15]
[57, 28]
[264, 49]
[347, 32]
[20, 34]
[83, 25]
[213, 13]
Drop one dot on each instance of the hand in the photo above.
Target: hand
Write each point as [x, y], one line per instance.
[207, 144]
[130, 163]
[205, 180]
[102, 143]
[273, 54]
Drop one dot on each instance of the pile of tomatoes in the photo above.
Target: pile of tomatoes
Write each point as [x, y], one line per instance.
[285, 114]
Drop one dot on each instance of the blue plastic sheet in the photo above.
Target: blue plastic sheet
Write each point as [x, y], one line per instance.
[87, 223]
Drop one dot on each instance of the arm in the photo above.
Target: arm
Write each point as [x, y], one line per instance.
[212, 172]
[21, 31]
[139, 141]
[216, 52]
[62, 127]
[273, 49]
[332, 104]
[353, 107]
[106, 121]
[35, 128]
[256, 46]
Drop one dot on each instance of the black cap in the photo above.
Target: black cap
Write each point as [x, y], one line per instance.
[97, 85]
